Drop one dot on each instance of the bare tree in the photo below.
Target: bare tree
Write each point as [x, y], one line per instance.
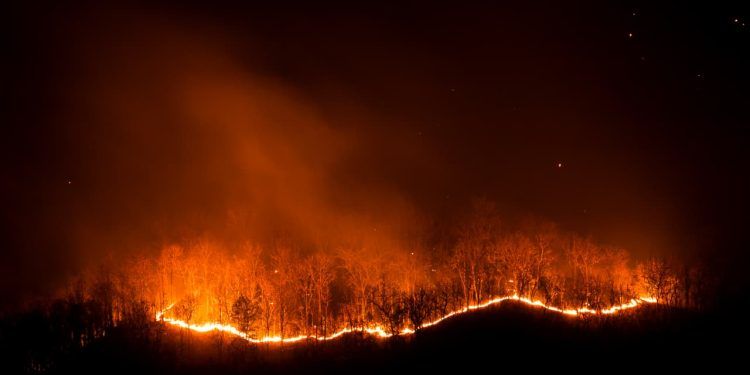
[245, 313]
[362, 272]
[185, 309]
[265, 294]
[304, 284]
[617, 277]
[477, 238]
[420, 305]
[319, 268]
[170, 265]
[583, 255]
[282, 278]
[552, 288]
[515, 259]
[543, 237]
[658, 279]
[390, 306]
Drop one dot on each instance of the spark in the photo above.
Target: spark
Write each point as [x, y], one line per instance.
[379, 331]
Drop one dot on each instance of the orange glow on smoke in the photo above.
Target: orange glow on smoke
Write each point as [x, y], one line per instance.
[379, 331]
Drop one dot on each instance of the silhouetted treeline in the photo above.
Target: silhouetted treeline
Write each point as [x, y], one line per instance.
[283, 291]
[503, 336]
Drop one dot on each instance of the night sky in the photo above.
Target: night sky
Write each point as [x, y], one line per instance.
[127, 127]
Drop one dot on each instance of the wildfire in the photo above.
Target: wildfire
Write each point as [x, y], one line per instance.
[379, 331]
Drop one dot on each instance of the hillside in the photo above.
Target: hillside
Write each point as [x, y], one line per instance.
[507, 335]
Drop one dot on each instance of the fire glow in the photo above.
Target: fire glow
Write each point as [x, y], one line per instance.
[379, 331]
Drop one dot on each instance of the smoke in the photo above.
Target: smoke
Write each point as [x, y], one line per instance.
[135, 128]
[161, 135]
[188, 137]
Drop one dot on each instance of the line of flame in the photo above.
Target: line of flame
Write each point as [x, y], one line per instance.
[379, 331]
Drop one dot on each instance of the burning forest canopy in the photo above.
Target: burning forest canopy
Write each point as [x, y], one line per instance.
[285, 292]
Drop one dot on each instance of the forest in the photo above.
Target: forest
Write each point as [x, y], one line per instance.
[281, 291]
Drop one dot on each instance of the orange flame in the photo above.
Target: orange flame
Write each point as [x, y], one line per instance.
[379, 331]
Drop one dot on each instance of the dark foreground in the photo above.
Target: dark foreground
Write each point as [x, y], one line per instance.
[500, 339]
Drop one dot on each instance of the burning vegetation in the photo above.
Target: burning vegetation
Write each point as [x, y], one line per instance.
[267, 190]
[285, 294]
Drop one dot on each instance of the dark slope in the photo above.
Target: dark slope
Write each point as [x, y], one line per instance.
[493, 340]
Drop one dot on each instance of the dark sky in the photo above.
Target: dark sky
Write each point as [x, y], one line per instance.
[135, 125]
